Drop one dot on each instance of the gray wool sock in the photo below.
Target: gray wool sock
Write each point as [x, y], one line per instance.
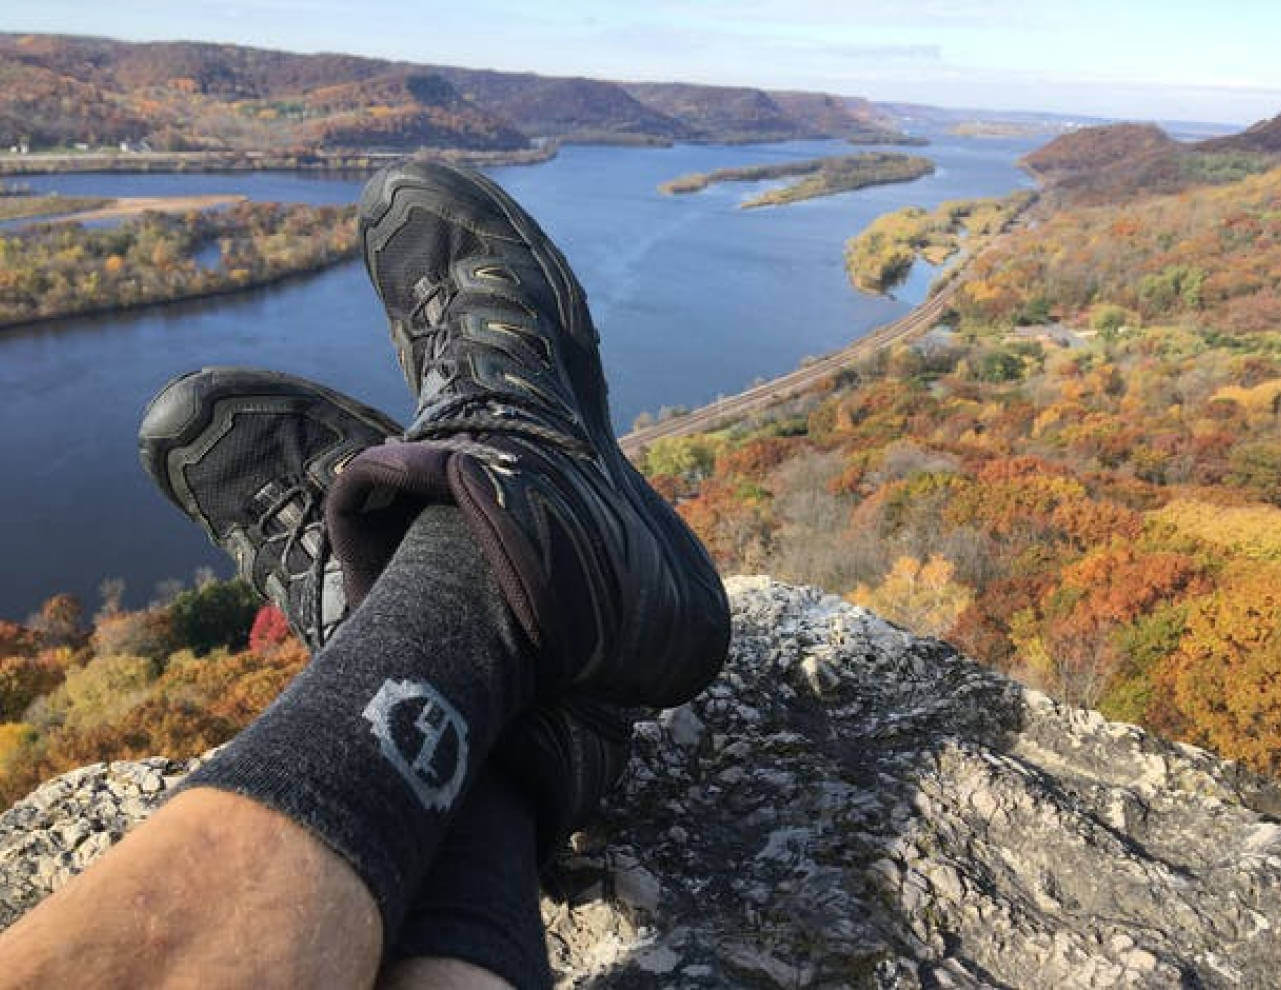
[479, 901]
[375, 743]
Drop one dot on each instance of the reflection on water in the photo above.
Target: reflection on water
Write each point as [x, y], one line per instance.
[693, 298]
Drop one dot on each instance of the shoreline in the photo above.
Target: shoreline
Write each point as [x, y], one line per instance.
[143, 162]
[729, 409]
[732, 408]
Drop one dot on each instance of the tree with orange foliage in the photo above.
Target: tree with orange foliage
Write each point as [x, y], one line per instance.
[24, 679]
[60, 622]
[16, 640]
[754, 459]
[1225, 679]
[732, 522]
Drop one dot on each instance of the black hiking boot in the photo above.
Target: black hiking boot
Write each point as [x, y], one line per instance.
[566, 757]
[617, 595]
[249, 456]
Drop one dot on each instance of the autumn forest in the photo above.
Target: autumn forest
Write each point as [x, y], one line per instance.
[1077, 480]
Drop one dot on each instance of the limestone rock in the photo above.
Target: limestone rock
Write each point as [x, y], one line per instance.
[849, 806]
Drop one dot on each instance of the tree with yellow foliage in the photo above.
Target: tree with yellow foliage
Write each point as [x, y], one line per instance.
[1225, 678]
[920, 595]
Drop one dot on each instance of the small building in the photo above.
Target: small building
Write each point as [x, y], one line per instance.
[1049, 334]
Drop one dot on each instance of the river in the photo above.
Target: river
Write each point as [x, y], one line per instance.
[693, 298]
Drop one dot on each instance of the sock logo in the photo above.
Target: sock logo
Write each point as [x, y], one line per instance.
[423, 736]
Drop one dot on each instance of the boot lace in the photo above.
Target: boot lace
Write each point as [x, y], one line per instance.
[455, 422]
[290, 533]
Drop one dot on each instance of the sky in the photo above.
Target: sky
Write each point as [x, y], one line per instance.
[1142, 59]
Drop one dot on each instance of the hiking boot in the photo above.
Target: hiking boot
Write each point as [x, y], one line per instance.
[618, 597]
[566, 757]
[249, 456]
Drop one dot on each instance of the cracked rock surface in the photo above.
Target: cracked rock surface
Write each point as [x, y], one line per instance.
[850, 805]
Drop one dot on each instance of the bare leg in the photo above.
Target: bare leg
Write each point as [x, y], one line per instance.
[440, 974]
[213, 891]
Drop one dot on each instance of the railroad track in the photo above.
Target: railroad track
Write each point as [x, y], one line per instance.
[735, 407]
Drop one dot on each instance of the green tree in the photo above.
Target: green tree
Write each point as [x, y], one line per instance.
[1257, 465]
[220, 613]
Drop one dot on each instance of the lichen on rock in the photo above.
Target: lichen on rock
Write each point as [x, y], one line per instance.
[850, 805]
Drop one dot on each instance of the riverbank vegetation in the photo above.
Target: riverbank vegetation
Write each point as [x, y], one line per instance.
[1209, 255]
[293, 160]
[819, 176]
[53, 270]
[882, 254]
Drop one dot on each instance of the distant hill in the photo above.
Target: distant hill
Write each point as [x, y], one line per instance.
[565, 108]
[402, 109]
[743, 114]
[182, 95]
[728, 113]
[836, 115]
[1265, 136]
[47, 108]
[57, 90]
[1109, 163]
[223, 71]
[1098, 147]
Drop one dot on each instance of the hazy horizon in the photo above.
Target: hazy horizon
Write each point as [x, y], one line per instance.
[1146, 60]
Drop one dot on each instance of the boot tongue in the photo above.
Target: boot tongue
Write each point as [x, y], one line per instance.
[383, 490]
[374, 501]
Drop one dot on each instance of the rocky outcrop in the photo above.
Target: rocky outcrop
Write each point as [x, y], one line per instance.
[849, 805]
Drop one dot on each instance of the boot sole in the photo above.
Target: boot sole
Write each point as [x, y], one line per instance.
[184, 410]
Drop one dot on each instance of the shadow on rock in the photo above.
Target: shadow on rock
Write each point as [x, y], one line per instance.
[852, 805]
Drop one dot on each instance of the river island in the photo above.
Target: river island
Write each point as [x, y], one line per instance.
[817, 176]
[58, 268]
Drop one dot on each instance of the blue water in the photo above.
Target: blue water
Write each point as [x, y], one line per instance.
[693, 297]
